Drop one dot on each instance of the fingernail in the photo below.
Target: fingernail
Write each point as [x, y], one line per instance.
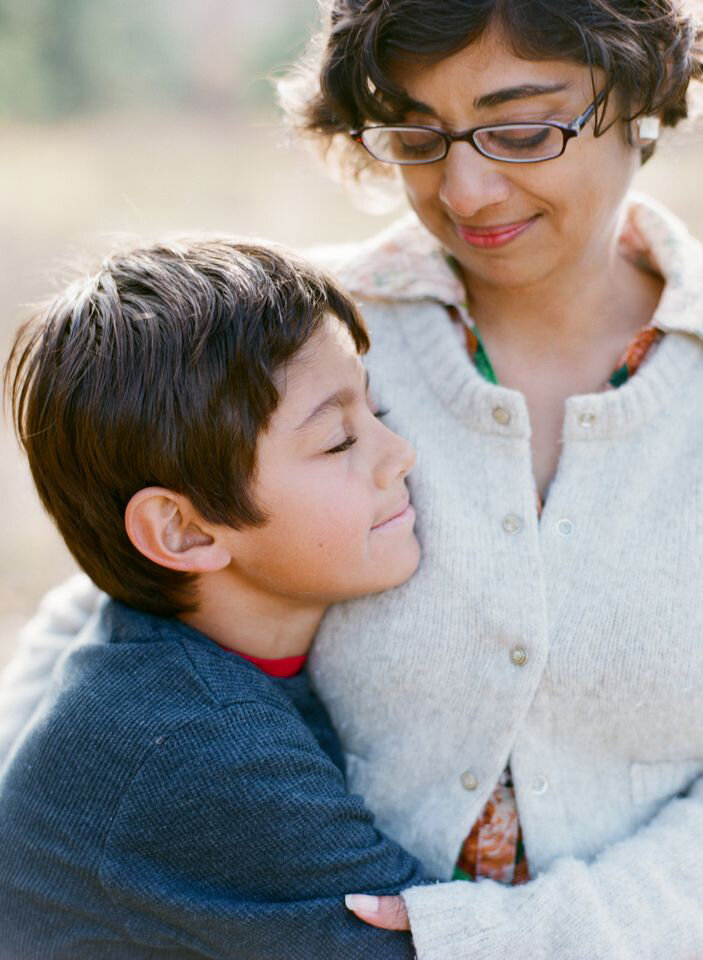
[361, 903]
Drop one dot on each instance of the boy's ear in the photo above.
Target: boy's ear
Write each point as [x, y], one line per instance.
[164, 527]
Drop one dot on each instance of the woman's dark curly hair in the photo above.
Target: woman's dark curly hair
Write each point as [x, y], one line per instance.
[649, 51]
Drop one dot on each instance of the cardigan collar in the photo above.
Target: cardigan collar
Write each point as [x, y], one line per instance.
[406, 263]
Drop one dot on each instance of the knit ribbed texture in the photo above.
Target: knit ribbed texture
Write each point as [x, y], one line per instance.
[62, 613]
[602, 724]
[170, 800]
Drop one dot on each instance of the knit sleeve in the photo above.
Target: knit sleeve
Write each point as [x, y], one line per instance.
[641, 899]
[62, 614]
[238, 839]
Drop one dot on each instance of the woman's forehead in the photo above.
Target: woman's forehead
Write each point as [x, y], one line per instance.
[486, 75]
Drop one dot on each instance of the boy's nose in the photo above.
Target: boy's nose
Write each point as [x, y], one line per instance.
[397, 460]
[410, 457]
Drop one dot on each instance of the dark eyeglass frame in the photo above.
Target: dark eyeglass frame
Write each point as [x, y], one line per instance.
[568, 131]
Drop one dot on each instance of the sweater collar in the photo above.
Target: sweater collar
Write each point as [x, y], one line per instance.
[281, 667]
[406, 263]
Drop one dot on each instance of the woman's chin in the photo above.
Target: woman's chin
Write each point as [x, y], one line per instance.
[511, 268]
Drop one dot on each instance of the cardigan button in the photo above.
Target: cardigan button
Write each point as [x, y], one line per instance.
[565, 527]
[512, 524]
[469, 780]
[587, 419]
[519, 656]
[502, 416]
[540, 785]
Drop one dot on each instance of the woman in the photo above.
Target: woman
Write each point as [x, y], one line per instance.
[550, 640]
[528, 707]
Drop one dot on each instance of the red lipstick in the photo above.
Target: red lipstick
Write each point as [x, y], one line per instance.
[490, 238]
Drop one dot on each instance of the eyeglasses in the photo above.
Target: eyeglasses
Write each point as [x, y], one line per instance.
[409, 145]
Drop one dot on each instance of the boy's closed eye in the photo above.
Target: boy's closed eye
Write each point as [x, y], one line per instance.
[350, 439]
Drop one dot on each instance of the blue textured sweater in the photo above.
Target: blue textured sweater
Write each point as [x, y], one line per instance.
[170, 800]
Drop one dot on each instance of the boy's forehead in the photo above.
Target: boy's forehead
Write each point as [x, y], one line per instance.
[328, 364]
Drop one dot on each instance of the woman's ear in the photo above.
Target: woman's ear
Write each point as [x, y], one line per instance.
[164, 526]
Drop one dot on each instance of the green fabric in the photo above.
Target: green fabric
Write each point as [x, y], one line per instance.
[621, 376]
[483, 361]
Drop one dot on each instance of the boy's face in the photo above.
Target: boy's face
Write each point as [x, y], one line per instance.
[331, 479]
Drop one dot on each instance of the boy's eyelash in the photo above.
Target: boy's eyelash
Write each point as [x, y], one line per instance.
[344, 445]
[351, 440]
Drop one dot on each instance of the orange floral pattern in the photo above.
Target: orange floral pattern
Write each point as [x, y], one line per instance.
[494, 847]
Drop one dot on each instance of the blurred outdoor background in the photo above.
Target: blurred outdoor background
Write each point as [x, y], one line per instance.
[145, 116]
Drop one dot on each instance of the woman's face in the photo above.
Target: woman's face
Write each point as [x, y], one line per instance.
[551, 216]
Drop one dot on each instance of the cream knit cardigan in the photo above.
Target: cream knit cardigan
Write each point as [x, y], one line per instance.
[603, 721]
[572, 647]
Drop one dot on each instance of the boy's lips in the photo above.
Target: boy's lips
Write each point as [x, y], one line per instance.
[400, 514]
[495, 236]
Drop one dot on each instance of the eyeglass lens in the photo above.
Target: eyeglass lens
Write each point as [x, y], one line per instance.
[411, 145]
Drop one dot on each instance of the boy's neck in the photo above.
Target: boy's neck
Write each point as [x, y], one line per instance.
[250, 620]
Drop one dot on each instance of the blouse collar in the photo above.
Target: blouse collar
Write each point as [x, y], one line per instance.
[407, 263]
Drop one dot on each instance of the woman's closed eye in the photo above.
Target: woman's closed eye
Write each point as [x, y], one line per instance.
[415, 143]
[524, 138]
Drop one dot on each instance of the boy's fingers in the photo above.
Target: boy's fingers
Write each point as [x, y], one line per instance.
[389, 913]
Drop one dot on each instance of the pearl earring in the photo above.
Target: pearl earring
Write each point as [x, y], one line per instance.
[648, 128]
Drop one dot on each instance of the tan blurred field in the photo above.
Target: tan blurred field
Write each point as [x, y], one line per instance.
[67, 187]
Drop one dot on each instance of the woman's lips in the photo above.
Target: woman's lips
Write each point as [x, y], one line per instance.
[492, 237]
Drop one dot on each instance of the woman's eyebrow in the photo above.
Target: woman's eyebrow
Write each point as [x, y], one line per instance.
[524, 92]
[498, 97]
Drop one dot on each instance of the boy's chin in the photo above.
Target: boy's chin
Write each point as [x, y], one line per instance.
[400, 569]
[393, 572]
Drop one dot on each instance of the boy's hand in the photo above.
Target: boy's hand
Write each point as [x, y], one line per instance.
[389, 913]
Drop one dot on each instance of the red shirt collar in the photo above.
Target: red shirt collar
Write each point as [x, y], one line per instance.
[280, 667]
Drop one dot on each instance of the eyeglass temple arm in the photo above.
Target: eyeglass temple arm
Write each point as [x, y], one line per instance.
[580, 122]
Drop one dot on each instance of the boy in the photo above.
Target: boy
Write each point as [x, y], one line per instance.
[197, 422]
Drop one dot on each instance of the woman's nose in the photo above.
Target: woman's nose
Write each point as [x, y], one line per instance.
[471, 182]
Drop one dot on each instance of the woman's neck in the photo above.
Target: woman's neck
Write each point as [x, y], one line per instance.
[581, 311]
[562, 339]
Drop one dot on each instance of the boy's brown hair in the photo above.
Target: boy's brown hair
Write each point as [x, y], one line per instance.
[160, 370]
